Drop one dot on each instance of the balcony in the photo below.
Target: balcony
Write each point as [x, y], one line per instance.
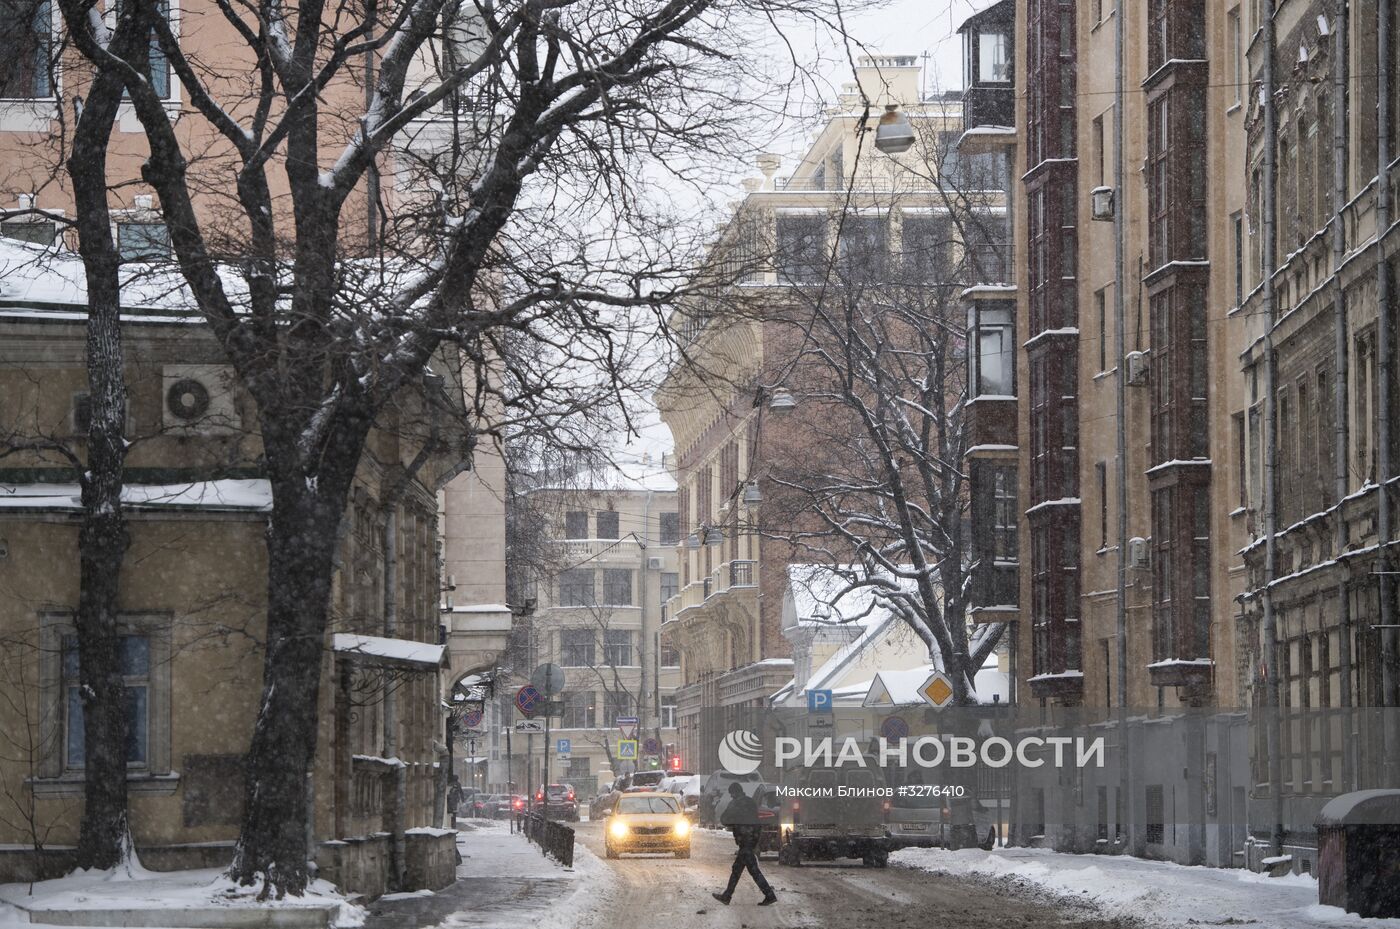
[987, 107]
[730, 583]
[741, 574]
[577, 550]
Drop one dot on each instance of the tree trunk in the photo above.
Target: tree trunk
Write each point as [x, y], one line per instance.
[301, 543]
[102, 536]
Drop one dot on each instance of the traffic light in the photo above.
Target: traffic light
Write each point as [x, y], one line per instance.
[675, 762]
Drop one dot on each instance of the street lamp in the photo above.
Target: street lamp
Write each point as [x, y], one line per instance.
[753, 495]
[692, 541]
[782, 401]
[894, 135]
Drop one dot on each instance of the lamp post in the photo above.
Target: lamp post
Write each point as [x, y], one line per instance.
[893, 134]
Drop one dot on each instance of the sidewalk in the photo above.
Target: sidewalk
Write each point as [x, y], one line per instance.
[1157, 893]
[503, 881]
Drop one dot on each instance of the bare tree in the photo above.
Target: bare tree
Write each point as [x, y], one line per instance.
[577, 96]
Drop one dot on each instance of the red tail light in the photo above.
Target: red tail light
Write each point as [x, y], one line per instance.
[571, 795]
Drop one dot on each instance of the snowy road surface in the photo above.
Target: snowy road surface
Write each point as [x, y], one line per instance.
[667, 893]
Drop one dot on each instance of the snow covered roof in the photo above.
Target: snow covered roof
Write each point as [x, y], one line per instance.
[253, 495]
[45, 276]
[818, 595]
[393, 651]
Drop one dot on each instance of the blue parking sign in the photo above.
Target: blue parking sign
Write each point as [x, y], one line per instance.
[564, 746]
[819, 701]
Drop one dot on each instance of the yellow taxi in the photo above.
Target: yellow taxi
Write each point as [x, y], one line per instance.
[647, 822]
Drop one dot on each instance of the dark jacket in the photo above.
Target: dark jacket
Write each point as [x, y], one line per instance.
[741, 811]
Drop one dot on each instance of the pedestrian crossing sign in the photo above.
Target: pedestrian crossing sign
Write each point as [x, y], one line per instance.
[627, 748]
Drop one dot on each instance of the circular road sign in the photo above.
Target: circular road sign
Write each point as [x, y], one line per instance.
[548, 678]
[471, 719]
[528, 700]
[894, 728]
[651, 747]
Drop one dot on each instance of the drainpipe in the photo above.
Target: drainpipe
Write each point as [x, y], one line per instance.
[1340, 389]
[1390, 635]
[1120, 470]
[1270, 223]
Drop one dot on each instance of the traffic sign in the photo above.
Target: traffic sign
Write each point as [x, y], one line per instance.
[819, 701]
[894, 728]
[651, 747]
[627, 748]
[627, 725]
[563, 747]
[937, 690]
[528, 700]
[548, 678]
[472, 719]
[529, 725]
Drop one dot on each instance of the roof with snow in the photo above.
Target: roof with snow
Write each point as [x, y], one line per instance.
[402, 652]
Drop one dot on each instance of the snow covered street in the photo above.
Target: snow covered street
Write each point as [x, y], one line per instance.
[1158, 894]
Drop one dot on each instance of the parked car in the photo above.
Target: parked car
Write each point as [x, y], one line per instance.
[514, 805]
[686, 787]
[645, 779]
[714, 796]
[821, 824]
[770, 807]
[558, 801]
[647, 822]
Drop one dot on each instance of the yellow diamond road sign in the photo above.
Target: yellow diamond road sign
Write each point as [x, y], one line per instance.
[937, 690]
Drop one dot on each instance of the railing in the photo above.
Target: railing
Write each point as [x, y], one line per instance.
[709, 587]
[554, 839]
[592, 548]
[741, 574]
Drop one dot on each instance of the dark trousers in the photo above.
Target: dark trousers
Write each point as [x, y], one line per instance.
[746, 858]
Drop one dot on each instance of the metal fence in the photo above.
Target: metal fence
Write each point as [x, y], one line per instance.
[554, 839]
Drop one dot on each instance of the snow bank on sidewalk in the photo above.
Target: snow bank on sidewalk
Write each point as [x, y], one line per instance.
[1158, 893]
[199, 895]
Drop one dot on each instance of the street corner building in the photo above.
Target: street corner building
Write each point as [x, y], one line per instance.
[193, 600]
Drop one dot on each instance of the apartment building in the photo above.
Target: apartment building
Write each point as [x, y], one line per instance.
[847, 216]
[610, 569]
[1186, 390]
[1318, 412]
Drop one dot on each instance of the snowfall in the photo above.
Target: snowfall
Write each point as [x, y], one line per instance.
[1158, 894]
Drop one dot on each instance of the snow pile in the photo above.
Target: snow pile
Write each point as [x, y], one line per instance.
[131, 891]
[1156, 893]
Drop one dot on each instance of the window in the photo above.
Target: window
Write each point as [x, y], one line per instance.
[668, 712]
[617, 647]
[670, 527]
[617, 586]
[863, 247]
[607, 524]
[142, 241]
[1101, 472]
[1004, 513]
[576, 587]
[670, 656]
[993, 58]
[28, 228]
[1241, 460]
[26, 40]
[926, 243]
[1156, 815]
[1235, 36]
[670, 585]
[1238, 222]
[576, 524]
[1101, 307]
[801, 247]
[994, 359]
[577, 648]
[986, 247]
[1100, 166]
[616, 704]
[579, 710]
[134, 655]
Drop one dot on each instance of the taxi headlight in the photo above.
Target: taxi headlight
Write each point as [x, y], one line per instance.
[618, 828]
[682, 827]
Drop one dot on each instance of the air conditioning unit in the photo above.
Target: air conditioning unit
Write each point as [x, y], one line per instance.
[1137, 553]
[655, 563]
[1101, 204]
[1135, 365]
[199, 399]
